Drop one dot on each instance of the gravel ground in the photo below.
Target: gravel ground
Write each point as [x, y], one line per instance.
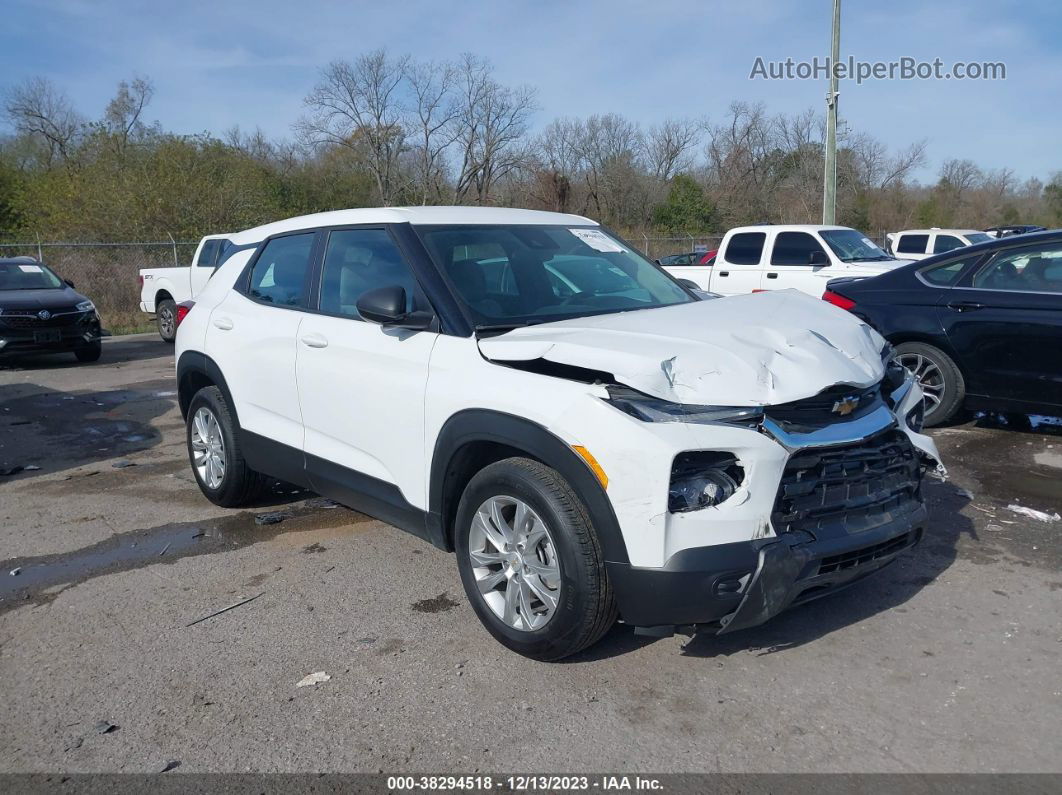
[945, 661]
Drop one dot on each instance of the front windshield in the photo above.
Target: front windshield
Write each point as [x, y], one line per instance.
[517, 275]
[27, 276]
[852, 246]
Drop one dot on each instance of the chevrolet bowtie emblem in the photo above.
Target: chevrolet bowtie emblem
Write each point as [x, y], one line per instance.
[846, 405]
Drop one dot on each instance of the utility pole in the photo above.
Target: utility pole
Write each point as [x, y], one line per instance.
[829, 186]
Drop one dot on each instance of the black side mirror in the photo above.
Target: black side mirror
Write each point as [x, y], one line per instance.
[689, 284]
[387, 306]
[818, 258]
[68, 283]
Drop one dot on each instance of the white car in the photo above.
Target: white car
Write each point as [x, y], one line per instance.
[777, 257]
[591, 438]
[916, 244]
[162, 289]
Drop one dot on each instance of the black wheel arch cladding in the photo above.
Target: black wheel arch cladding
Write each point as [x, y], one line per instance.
[196, 370]
[520, 436]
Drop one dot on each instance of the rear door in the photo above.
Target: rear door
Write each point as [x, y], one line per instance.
[790, 265]
[1005, 324]
[738, 267]
[252, 337]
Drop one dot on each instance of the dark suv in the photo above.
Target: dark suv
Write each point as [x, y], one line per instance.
[41, 313]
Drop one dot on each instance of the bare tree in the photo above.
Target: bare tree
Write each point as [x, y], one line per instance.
[357, 105]
[669, 145]
[432, 121]
[491, 127]
[38, 109]
[122, 115]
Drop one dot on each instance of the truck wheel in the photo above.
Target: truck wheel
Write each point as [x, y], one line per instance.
[530, 561]
[90, 353]
[166, 319]
[214, 452]
[939, 377]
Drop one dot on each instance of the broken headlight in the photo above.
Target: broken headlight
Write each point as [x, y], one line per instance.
[650, 409]
[701, 479]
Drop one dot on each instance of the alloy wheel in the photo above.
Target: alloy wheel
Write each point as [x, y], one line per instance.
[929, 377]
[167, 321]
[208, 448]
[515, 563]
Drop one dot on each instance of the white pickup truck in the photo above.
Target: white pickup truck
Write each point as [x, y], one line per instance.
[161, 289]
[800, 256]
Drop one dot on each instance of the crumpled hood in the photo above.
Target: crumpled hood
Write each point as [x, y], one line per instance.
[748, 350]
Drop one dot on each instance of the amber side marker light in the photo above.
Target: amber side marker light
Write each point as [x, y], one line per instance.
[591, 462]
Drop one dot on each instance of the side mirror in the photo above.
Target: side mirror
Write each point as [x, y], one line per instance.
[818, 258]
[387, 306]
[68, 283]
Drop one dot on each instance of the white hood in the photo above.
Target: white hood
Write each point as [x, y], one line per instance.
[749, 350]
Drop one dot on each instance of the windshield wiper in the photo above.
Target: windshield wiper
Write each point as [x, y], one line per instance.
[501, 328]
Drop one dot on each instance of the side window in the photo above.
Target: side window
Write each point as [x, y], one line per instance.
[279, 274]
[359, 260]
[794, 248]
[208, 254]
[946, 274]
[912, 244]
[946, 243]
[1027, 270]
[745, 248]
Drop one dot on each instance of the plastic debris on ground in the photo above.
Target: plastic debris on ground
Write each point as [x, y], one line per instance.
[1039, 516]
[313, 679]
[273, 517]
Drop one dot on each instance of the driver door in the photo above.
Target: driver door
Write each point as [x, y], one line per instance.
[361, 386]
[791, 264]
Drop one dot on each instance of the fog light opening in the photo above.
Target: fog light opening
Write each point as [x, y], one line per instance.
[916, 417]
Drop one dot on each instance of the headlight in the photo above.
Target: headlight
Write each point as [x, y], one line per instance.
[650, 409]
[86, 306]
[701, 479]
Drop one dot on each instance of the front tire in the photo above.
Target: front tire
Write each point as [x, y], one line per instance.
[214, 452]
[530, 561]
[940, 379]
[90, 353]
[166, 319]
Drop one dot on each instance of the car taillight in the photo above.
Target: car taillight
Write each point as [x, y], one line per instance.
[140, 279]
[183, 309]
[838, 300]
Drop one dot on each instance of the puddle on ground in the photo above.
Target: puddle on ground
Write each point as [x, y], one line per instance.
[164, 544]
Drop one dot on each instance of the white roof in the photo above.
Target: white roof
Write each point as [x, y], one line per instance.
[788, 228]
[411, 215]
[939, 231]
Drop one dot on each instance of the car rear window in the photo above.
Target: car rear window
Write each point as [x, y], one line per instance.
[912, 244]
[745, 248]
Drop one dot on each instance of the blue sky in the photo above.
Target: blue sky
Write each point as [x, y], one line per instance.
[226, 62]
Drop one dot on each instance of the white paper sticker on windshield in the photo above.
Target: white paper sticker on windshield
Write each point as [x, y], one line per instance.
[30, 268]
[870, 242]
[597, 240]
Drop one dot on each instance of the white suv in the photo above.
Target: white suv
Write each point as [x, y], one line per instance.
[592, 439]
[916, 244]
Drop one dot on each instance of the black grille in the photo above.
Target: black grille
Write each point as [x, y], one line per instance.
[68, 316]
[819, 410]
[860, 557]
[833, 491]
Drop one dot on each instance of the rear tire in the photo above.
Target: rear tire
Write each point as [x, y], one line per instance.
[214, 452]
[90, 353]
[939, 377]
[583, 605]
[166, 319]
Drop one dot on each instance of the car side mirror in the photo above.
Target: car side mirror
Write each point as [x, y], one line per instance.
[387, 306]
[818, 258]
[68, 283]
[689, 284]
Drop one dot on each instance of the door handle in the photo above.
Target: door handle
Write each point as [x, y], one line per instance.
[772, 275]
[314, 341]
[724, 273]
[223, 323]
[965, 306]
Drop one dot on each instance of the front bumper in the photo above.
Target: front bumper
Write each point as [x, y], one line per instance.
[739, 585]
[81, 332]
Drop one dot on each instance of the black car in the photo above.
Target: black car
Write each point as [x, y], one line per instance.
[41, 313]
[981, 326]
[1014, 229]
